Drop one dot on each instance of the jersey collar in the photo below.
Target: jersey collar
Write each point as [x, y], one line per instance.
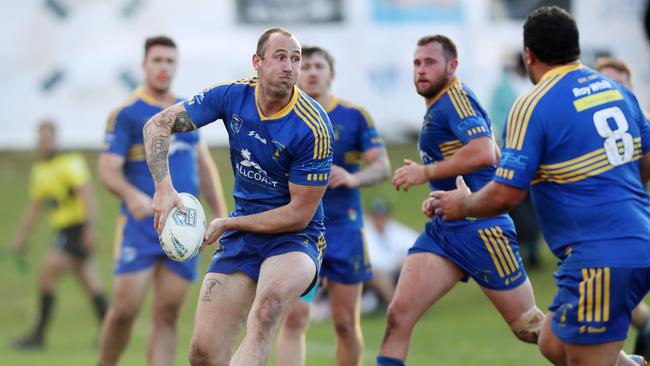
[334, 101]
[140, 93]
[561, 70]
[284, 111]
[444, 90]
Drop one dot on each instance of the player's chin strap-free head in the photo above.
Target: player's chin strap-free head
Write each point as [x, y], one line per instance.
[528, 326]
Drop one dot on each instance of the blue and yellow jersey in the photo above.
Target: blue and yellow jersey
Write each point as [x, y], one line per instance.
[576, 139]
[56, 182]
[267, 153]
[124, 137]
[453, 119]
[354, 134]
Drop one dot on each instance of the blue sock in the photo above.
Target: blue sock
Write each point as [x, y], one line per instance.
[389, 361]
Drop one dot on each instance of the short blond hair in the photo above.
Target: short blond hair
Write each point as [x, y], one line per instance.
[616, 64]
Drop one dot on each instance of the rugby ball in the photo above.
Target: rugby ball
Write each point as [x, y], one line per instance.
[182, 235]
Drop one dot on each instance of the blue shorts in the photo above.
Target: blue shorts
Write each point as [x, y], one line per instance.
[245, 252]
[487, 253]
[346, 260]
[594, 305]
[138, 249]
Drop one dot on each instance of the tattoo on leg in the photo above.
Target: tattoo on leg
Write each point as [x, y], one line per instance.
[207, 295]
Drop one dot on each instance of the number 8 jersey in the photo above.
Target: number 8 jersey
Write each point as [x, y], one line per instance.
[577, 139]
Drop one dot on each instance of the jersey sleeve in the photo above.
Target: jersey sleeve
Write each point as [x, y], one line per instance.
[208, 105]
[368, 135]
[77, 172]
[464, 120]
[519, 162]
[312, 163]
[117, 138]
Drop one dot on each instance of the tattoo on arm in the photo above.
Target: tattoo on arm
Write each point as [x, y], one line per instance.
[157, 133]
[158, 163]
[175, 121]
[183, 123]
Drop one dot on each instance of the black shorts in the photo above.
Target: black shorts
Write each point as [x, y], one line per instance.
[68, 240]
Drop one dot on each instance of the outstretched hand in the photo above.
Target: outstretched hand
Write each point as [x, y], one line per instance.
[410, 174]
[449, 204]
[215, 230]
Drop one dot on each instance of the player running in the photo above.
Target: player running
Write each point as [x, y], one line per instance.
[580, 143]
[456, 138]
[346, 264]
[271, 245]
[140, 261]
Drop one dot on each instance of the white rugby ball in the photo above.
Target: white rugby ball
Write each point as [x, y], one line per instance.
[183, 233]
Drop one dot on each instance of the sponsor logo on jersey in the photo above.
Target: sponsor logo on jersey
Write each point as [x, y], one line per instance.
[257, 136]
[516, 161]
[252, 170]
[235, 123]
[278, 148]
[426, 158]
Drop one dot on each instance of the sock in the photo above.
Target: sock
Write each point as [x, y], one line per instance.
[47, 303]
[389, 361]
[101, 306]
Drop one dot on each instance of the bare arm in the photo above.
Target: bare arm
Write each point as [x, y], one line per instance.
[478, 153]
[377, 169]
[294, 216]
[90, 204]
[111, 174]
[493, 199]
[157, 132]
[210, 182]
[89, 237]
[27, 222]
[497, 152]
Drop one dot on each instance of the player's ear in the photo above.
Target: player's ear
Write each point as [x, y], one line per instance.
[452, 65]
[529, 56]
[256, 61]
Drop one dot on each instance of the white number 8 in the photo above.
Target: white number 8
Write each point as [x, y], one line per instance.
[612, 136]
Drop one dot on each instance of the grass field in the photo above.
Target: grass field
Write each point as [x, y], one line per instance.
[463, 329]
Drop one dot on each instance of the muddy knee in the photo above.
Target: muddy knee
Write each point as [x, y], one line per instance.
[268, 312]
[200, 355]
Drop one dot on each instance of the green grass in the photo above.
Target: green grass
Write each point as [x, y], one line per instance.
[462, 329]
